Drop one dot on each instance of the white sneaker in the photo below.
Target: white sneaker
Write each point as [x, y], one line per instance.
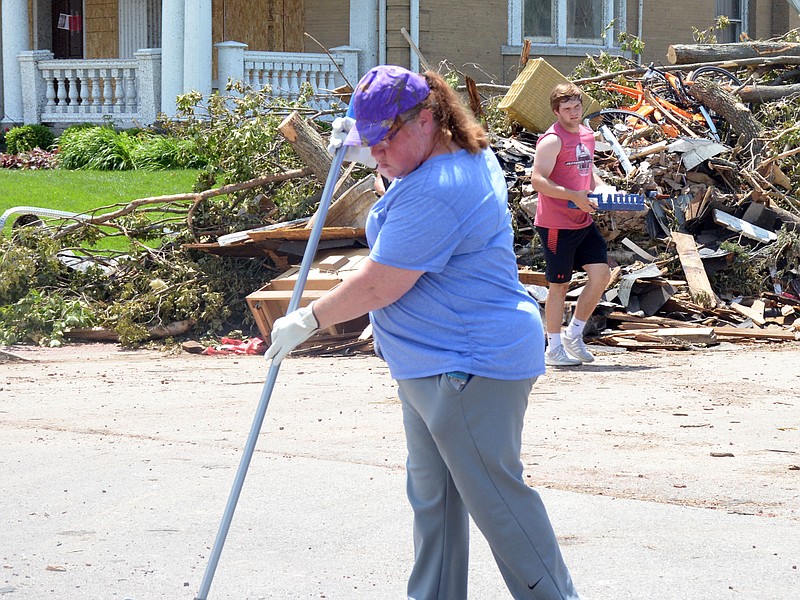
[575, 347]
[558, 357]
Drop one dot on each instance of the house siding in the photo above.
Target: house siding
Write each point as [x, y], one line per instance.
[398, 16]
[465, 34]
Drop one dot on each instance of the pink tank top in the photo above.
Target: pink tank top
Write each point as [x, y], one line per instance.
[573, 170]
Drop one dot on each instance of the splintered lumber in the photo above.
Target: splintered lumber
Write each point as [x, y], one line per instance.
[688, 335]
[528, 277]
[639, 251]
[310, 146]
[755, 313]
[757, 334]
[352, 207]
[696, 276]
[652, 320]
[679, 54]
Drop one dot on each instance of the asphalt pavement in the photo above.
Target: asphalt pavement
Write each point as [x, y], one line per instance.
[116, 471]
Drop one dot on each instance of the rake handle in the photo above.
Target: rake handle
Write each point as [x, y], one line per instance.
[272, 376]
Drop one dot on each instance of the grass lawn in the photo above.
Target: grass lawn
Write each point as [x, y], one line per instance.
[79, 191]
[82, 191]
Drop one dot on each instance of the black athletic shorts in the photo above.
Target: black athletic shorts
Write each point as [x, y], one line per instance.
[568, 249]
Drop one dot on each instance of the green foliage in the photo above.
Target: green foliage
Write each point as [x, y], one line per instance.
[157, 152]
[43, 318]
[744, 276]
[98, 147]
[28, 137]
[41, 297]
[237, 135]
[104, 149]
[709, 36]
[27, 262]
[630, 43]
[601, 64]
[780, 118]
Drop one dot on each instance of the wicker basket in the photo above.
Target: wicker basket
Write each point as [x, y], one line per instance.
[528, 100]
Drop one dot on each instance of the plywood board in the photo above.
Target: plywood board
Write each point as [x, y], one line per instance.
[696, 276]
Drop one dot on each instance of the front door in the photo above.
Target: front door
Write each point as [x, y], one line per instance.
[68, 28]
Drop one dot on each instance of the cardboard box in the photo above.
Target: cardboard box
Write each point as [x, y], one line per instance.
[271, 301]
[528, 100]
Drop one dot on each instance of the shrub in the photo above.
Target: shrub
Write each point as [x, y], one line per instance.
[155, 152]
[94, 147]
[103, 148]
[28, 137]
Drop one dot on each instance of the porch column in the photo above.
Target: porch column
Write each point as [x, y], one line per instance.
[15, 32]
[197, 47]
[148, 92]
[364, 33]
[34, 87]
[171, 54]
[230, 63]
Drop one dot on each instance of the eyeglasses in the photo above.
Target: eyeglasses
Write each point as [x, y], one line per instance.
[399, 122]
[393, 131]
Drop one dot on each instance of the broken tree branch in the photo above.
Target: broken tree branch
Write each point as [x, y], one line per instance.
[172, 198]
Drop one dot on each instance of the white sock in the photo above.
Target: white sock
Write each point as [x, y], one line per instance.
[575, 328]
[553, 340]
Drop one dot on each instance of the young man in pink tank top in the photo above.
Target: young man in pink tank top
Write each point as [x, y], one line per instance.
[563, 172]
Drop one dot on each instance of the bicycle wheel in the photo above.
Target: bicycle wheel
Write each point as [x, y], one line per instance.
[666, 86]
[626, 125]
[717, 74]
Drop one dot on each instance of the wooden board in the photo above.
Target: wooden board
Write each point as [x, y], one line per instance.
[758, 334]
[696, 276]
[757, 316]
[528, 277]
[294, 233]
[690, 335]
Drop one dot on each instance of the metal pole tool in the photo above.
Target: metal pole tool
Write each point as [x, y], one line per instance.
[272, 376]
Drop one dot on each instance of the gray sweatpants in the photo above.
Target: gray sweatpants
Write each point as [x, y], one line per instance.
[464, 459]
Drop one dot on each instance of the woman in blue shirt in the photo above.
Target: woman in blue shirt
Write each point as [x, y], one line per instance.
[461, 336]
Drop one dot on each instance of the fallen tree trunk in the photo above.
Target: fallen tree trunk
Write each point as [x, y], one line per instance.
[691, 53]
[725, 64]
[309, 145]
[730, 108]
[767, 93]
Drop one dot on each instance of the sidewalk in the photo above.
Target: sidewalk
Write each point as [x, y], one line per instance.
[116, 471]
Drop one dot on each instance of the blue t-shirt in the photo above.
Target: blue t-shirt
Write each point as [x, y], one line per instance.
[468, 311]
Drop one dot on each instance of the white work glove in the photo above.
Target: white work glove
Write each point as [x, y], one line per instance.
[289, 331]
[359, 154]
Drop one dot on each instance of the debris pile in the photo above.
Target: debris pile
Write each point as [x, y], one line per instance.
[717, 254]
[713, 146]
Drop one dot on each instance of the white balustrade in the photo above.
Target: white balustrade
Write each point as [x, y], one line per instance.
[286, 73]
[127, 91]
[89, 90]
